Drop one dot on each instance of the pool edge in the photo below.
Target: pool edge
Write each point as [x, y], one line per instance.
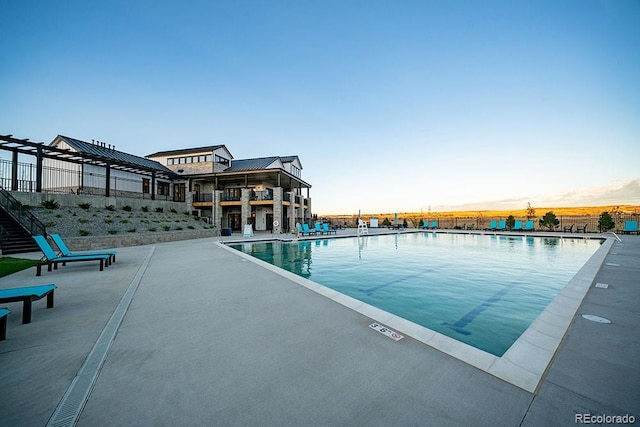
[524, 364]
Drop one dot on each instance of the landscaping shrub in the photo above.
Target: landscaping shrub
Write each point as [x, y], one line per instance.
[84, 206]
[84, 232]
[126, 208]
[110, 208]
[605, 222]
[50, 204]
[145, 209]
[159, 210]
[549, 220]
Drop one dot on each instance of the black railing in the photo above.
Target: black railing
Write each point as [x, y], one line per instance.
[202, 197]
[22, 215]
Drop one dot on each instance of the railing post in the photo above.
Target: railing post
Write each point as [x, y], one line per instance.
[14, 171]
[39, 170]
[107, 184]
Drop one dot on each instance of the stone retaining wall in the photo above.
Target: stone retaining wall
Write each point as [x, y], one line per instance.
[134, 239]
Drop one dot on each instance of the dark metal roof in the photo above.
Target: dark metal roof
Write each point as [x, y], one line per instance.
[111, 153]
[209, 148]
[251, 164]
[258, 163]
[289, 159]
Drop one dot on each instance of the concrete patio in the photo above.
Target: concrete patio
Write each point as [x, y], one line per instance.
[189, 333]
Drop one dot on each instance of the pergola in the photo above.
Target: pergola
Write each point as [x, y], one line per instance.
[41, 151]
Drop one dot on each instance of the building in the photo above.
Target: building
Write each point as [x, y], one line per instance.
[268, 192]
[110, 172]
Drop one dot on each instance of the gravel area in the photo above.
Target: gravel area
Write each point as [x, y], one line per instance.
[76, 221]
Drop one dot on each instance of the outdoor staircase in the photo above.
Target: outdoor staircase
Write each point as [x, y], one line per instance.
[15, 239]
[17, 225]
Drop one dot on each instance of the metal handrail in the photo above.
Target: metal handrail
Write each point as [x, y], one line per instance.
[18, 212]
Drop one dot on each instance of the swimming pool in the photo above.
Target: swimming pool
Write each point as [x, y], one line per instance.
[482, 290]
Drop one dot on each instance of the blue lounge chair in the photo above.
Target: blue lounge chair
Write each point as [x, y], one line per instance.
[582, 229]
[51, 259]
[306, 229]
[4, 312]
[326, 229]
[528, 226]
[502, 225]
[517, 226]
[425, 224]
[568, 229]
[630, 227]
[492, 226]
[319, 228]
[64, 250]
[27, 295]
[434, 225]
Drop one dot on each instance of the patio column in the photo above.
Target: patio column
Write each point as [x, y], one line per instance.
[217, 209]
[245, 213]
[277, 210]
[292, 211]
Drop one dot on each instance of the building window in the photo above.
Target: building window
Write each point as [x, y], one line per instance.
[145, 185]
[163, 188]
[178, 192]
[222, 160]
[171, 161]
[208, 158]
[295, 171]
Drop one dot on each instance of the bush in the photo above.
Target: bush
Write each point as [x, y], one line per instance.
[605, 222]
[110, 208]
[84, 206]
[549, 221]
[152, 229]
[126, 208]
[83, 220]
[84, 232]
[511, 221]
[112, 231]
[173, 210]
[49, 224]
[166, 227]
[131, 230]
[108, 221]
[50, 204]
[145, 209]
[159, 210]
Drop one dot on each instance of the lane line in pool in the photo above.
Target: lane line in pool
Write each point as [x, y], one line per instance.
[475, 312]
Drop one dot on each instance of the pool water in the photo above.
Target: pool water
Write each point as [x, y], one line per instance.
[483, 290]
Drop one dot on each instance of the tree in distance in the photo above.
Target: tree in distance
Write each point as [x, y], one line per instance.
[549, 220]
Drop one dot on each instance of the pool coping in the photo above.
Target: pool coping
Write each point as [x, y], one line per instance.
[524, 364]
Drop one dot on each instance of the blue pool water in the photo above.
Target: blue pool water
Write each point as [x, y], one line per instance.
[483, 290]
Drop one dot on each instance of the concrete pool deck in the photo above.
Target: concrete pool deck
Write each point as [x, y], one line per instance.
[191, 333]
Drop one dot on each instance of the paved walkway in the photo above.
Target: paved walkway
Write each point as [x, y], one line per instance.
[189, 333]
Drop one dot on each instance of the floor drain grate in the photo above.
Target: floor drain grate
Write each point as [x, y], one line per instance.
[68, 410]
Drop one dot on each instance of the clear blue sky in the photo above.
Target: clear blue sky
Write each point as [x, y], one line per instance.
[390, 105]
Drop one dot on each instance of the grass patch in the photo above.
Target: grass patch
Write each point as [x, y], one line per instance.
[9, 265]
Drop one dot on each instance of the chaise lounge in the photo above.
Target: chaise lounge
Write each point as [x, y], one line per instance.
[326, 229]
[528, 226]
[51, 259]
[27, 295]
[64, 250]
[4, 312]
[630, 227]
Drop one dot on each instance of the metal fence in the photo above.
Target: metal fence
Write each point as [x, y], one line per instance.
[72, 181]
